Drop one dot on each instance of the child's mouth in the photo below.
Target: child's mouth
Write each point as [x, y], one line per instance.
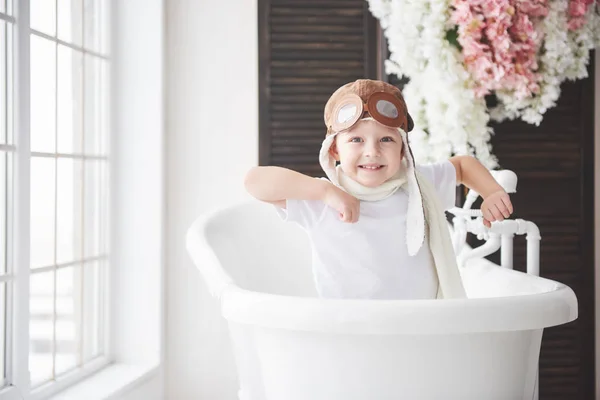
[371, 167]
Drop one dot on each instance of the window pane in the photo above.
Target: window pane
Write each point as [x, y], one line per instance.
[96, 28]
[9, 215]
[105, 208]
[105, 26]
[3, 211]
[43, 16]
[69, 210]
[41, 327]
[3, 81]
[94, 208]
[104, 108]
[91, 24]
[9, 83]
[93, 310]
[43, 94]
[92, 115]
[68, 292]
[3, 6]
[96, 112]
[70, 26]
[42, 211]
[70, 94]
[3, 333]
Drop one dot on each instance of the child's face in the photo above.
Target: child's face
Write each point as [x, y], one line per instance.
[369, 152]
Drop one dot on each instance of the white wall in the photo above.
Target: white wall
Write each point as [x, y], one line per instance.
[212, 140]
[137, 149]
[150, 389]
[136, 153]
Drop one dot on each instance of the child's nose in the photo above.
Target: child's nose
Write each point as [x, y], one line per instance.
[372, 150]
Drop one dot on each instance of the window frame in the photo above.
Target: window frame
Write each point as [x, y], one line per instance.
[136, 337]
[18, 274]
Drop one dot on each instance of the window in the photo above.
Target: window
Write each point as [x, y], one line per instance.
[54, 141]
[7, 150]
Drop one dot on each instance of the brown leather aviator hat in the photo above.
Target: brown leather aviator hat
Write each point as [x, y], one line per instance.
[365, 97]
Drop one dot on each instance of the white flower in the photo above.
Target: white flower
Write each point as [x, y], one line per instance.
[448, 118]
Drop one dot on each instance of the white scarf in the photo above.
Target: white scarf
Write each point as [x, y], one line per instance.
[364, 193]
[423, 205]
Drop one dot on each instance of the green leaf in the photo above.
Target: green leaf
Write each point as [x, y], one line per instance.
[452, 37]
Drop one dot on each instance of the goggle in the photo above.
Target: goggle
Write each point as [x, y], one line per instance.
[384, 107]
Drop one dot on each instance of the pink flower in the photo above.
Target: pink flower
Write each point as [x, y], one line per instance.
[575, 23]
[577, 12]
[534, 8]
[577, 8]
[499, 43]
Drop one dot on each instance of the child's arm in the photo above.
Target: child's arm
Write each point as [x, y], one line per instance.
[496, 203]
[275, 185]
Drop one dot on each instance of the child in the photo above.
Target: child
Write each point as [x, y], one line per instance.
[377, 225]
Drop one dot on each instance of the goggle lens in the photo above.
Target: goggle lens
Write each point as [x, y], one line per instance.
[387, 109]
[346, 113]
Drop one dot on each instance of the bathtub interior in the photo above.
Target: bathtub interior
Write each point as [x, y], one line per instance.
[260, 251]
[264, 254]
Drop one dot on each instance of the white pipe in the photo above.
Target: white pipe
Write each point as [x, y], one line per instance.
[465, 212]
[507, 179]
[470, 199]
[455, 235]
[459, 238]
[533, 249]
[508, 228]
[533, 256]
[489, 247]
[506, 251]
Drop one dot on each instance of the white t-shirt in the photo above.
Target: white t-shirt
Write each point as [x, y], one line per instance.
[369, 259]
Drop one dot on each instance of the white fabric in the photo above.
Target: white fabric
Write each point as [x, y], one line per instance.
[369, 259]
[444, 258]
[361, 192]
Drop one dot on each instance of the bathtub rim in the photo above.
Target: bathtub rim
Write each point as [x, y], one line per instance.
[435, 317]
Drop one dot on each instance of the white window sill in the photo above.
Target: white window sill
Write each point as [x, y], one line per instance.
[109, 383]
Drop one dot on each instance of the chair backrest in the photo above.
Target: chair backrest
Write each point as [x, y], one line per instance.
[259, 251]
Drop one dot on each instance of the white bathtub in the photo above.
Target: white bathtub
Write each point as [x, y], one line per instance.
[291, 345]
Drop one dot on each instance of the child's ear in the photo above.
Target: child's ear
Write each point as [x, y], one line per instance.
[333, 152]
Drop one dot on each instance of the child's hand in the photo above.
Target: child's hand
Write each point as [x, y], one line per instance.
[347, 205]
[496, 207]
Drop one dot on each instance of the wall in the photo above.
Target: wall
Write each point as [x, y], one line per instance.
[150, 389]
[137, 150]
[212, 140]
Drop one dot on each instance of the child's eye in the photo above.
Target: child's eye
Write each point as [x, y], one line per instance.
[387, 139]
[356, 140]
